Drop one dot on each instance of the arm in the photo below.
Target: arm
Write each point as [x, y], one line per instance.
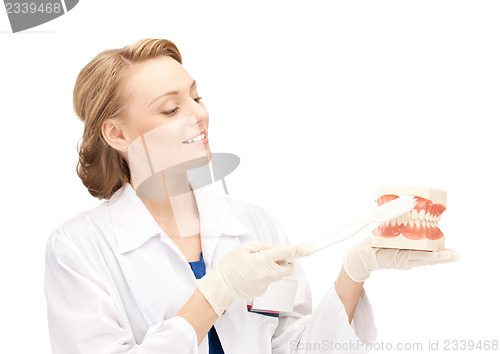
[343, 316]
[199, 313]
[349, 292]
[86, 314]
[329, 322]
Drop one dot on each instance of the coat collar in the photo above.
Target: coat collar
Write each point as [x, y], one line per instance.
[134, 225]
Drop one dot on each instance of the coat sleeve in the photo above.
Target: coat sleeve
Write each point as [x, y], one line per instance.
[86, 317]
[327, 328]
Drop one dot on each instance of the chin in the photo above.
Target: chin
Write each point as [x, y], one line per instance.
[209, 153]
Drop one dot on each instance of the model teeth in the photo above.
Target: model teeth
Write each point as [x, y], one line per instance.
[417, 219]
[198, 138]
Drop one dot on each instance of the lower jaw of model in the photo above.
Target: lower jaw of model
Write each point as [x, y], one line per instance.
[416, 230]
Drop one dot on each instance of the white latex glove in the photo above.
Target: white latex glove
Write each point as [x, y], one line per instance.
[362, 259]
[247, 271]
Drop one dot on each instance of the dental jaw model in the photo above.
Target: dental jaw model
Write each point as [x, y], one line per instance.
[416, 230]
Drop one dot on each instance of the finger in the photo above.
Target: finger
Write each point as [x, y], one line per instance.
[430, 258]
[291, 251]
[448, 255]
[286, 269]
[302, 250]
[255, 246]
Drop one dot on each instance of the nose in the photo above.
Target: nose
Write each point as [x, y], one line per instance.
[201, 114]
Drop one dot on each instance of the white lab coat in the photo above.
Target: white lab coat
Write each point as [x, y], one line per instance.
[115, 281]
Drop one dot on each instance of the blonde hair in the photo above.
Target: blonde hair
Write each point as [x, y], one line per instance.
[98, 95]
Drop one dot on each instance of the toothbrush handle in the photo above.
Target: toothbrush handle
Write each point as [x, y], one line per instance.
[358, 224]
[330, 237]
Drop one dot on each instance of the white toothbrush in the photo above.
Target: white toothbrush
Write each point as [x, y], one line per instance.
[381, 214]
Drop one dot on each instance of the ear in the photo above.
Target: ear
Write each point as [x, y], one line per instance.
[112, 132]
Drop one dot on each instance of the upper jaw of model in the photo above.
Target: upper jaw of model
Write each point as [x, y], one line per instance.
[417, 229]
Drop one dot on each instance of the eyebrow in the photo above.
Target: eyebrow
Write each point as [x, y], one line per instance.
[175, 92]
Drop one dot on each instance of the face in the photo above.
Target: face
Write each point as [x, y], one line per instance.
[164, 107]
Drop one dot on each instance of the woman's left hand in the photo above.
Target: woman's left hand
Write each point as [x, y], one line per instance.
[362, 259]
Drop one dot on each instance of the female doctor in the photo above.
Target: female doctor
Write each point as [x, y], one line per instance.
[179, 274]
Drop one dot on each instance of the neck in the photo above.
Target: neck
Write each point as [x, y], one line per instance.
[178, 214]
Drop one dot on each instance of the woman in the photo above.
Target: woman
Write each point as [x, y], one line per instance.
[179, 274]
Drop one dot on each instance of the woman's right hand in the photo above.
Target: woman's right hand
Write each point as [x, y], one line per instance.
[247, 271]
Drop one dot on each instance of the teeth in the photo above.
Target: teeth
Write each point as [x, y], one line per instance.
[198, 138]
[414, 219]
[439, 218]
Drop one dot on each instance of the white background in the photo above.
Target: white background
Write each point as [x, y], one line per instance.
[322, 101]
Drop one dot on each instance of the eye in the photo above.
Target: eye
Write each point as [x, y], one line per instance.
[198, 99]
[171, 112]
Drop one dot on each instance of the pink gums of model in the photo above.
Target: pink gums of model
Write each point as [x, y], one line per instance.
[416, 230]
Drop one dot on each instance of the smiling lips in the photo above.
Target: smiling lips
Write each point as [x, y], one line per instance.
[194, 139]
[421, 223]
